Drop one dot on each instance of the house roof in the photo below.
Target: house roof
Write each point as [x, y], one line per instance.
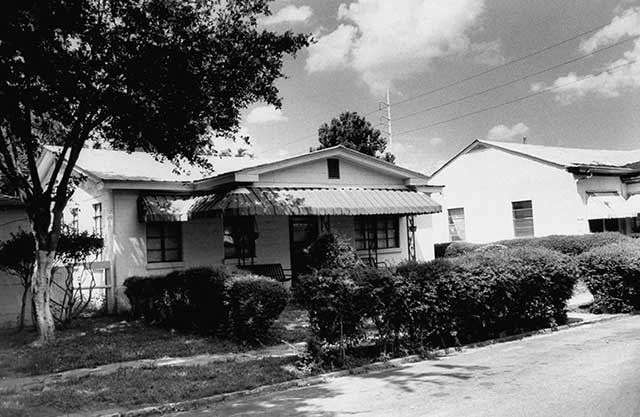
[622, 161]
[111, 165]
[142, 166]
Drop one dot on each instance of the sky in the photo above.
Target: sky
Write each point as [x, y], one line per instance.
[362, 48]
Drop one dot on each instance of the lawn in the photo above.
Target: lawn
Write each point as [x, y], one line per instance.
[133, 388]
[97, 341]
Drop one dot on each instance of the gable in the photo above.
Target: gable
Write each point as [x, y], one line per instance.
[316, 172]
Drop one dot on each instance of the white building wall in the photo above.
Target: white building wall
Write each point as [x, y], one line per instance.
[486, 181]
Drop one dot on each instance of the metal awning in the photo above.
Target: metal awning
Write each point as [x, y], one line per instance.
[634, 204]
[608, 206]
[165, 208]
[262, 201]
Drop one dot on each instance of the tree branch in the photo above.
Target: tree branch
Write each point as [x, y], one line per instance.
[31, 154]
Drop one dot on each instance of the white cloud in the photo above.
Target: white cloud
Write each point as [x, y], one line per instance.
[505, 133]
[288, 14]
[331, 51]
[435, 141]
[617, 76]
[487, 53]
[393, 40]
[265, 114]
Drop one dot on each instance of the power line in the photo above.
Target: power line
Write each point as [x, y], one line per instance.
[521, 98]
[533, 74]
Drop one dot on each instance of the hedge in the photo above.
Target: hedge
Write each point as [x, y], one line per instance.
[567, 244]
[612, 274]
[207, 300]
[442, 302]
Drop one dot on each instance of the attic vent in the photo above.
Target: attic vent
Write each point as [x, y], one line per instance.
[333, 168]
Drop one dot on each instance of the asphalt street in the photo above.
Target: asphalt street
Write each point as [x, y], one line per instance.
[592, 370]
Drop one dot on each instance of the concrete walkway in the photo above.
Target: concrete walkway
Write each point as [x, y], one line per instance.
[279, 351]
[590, 370]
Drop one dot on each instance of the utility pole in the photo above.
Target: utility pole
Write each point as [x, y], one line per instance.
[381, 106]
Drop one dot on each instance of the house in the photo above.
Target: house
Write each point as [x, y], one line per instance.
[12, 220]
[248, 214]
[504, 190]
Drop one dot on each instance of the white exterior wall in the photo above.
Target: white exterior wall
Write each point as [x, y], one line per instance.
[486, 181]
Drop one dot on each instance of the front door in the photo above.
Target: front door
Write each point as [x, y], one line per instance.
[303, 231]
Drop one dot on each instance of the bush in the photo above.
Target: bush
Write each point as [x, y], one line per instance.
[193, 299]
[254, 304]
[460, 248]
[612, 274]
[332, 251]
[332, 298]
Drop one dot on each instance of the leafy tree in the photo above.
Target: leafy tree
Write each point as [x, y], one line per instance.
[137, 74]
[355, 132]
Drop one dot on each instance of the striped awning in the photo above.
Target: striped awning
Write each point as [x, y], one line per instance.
[165, 208]
[262, 201]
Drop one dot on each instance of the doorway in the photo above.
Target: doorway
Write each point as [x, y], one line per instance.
[303, 231]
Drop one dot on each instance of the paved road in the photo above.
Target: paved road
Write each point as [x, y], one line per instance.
[592, 370]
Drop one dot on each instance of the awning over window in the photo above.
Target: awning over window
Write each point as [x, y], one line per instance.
[634, 204]
[257, 201]
[165, 208]
[608, 206]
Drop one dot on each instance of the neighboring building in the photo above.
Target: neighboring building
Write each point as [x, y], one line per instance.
[502, 190]
[12, 219]
[261, 217]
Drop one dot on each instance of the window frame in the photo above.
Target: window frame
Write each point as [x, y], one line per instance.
[163, 238]
[516, 219]
[452, 225]
[367, 225]
[97, 219]
[335, 169]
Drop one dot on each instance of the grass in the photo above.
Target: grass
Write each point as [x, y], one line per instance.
[98, 341]
[131, 388]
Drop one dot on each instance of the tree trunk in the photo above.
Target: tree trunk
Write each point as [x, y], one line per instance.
[23, 308]
[41, 296]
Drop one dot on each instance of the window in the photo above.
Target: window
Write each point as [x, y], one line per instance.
[604, 225]
[379, 232]
[522, 218]
[164, 242]
[75, 223]
[456, 224]
[97, 219]
[333, 168]
[239, 237]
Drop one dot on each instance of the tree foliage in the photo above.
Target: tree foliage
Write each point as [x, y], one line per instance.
[154, 75]
[354, 132]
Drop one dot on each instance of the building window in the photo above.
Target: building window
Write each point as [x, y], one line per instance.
[164, 242]
[333, 168]
[604, 225]
[75, 223]
[97, 219]
[376, 232]
[522, 218]
[239, 237]
[456, 224]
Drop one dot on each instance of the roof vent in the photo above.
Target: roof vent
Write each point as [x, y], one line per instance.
[333, 168]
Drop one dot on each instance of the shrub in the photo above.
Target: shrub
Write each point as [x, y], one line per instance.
[569, 244]
[332, 251]
[254, 304]
[460, 248]
[332, 298]
[193, 299]
[612, 274]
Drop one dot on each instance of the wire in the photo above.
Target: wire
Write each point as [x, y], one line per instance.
[533, 74]
[521, 98]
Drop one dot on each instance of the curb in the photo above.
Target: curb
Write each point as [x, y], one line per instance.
[316, 380]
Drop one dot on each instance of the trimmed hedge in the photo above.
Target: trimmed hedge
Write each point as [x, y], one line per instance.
[207, 300]
[566, 244]
[442, 302]
[255, 303]
[612, 274]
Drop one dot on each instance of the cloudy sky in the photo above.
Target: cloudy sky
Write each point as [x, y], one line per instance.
[413, 47]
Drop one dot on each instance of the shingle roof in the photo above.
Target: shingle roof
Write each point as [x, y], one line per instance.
[142, 166]
[571, 157]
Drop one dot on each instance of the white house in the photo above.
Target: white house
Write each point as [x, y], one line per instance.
[251, 215]
[503, 190]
